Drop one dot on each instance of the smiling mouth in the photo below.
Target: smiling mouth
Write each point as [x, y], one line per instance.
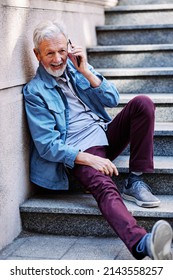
[56, 66]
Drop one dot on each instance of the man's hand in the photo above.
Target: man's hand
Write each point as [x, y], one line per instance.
[77, 52]
[103, 165]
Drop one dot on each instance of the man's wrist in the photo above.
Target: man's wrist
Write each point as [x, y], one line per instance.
[82, 158]
[92, 78]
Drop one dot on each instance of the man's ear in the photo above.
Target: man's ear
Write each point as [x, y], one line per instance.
[37, 54]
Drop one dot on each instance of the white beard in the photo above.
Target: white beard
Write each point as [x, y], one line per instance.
[56, 73]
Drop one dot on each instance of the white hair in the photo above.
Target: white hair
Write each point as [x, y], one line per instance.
[48, 30]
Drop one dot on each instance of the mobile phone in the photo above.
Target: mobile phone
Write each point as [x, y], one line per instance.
[77, 57]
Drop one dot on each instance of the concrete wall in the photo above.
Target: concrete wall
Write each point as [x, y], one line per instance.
[18, 18]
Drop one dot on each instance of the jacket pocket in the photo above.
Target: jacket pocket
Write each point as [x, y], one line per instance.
[59, 113]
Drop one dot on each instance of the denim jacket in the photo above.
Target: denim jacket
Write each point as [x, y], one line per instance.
[48, 117]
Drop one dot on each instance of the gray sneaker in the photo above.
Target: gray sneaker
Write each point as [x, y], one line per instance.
[140, 193]
[157, 244]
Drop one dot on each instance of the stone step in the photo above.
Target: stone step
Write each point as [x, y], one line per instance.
[163, 103]
[131, 56]
[141, 80]
[146, 2]
[158, 98]
[162, 165]
[163, 140]
[163, 128]
[77, 214]
[161, 180]
[134, 34]
[139, 15]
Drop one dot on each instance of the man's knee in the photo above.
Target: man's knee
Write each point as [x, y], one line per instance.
[145, 104]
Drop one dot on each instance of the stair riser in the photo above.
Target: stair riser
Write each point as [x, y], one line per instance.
[144, 2]
[161, 183]
[162, 114]
[163, 146]
[76, 225]
[130, 60]
[146, 84]
[137, 37]
[66, 224]
[139, 18]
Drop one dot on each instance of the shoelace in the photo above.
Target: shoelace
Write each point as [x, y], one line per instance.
[139, 183]
[141, 247]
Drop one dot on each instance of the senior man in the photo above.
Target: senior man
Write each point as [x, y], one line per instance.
[72, 132]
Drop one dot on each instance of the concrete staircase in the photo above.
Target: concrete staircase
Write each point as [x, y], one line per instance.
[135, 51]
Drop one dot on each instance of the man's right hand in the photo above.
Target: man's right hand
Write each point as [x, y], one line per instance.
[103, 165]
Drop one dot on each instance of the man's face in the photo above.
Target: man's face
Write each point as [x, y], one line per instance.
[52, 53]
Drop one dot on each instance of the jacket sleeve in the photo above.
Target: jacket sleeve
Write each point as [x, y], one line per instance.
[107, 93]
[48, 140]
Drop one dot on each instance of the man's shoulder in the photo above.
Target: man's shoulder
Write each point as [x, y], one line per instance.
[34, 85]
[36, 80]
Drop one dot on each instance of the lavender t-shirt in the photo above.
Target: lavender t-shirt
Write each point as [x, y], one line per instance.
[85, 128]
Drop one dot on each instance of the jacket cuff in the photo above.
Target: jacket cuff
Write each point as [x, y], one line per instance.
[70, 157]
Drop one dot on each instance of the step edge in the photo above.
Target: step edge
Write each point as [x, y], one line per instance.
[131, 72]
[130, 48]
[133, 27]
[134, 209]
[140, 8]
[158, 98]
[161, 164]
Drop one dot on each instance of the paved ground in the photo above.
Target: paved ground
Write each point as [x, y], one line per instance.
[41, 247]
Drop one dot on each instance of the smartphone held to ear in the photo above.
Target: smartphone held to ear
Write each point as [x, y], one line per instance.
[78, 60]
[77, 57]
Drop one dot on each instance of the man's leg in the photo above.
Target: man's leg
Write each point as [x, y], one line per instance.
[156, 245]
[110, 202]
[135, 125]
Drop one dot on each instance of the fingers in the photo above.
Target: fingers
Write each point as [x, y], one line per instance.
[109, 168]
[77, 56]
[76, 51]
[103, 165]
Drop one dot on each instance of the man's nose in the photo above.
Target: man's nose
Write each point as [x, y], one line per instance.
[57, 57]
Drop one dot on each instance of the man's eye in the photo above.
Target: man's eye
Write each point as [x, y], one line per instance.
[63, 51]
[49, 53]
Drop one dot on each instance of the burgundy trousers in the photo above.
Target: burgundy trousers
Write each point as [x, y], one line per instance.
[134, 125]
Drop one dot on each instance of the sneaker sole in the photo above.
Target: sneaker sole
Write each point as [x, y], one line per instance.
[161, 239]
[141, 203]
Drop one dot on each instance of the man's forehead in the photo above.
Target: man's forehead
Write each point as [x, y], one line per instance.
[53, 44]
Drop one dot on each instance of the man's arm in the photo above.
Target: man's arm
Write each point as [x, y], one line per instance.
[83, 68]
[101, 89]
[103, 165]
